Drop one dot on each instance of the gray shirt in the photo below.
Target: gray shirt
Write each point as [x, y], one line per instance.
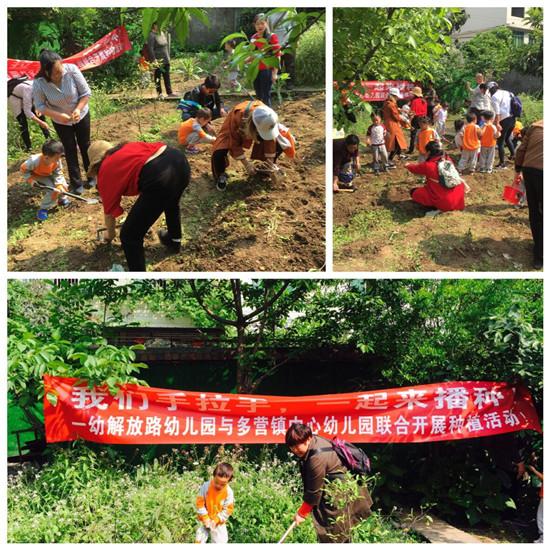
[159, 45]
[65, 98]
[480, 100]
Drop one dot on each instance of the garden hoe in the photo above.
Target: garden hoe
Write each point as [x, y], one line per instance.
[74, 196]
[287, 532]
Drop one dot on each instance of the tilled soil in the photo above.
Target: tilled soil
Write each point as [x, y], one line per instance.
[253, 226]
[379, 228]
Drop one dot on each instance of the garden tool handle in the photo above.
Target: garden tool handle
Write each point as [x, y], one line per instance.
[287, 532]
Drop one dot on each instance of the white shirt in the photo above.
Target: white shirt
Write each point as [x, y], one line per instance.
[501, 104]
[21, 99]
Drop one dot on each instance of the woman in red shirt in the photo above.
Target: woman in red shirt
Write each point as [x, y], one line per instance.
[419, 108]
[158, 174]
[433, 194]
[268, 42]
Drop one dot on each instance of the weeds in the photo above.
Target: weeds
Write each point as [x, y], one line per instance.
[87, 496]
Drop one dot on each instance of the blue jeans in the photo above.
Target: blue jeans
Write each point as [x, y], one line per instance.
[262, 86]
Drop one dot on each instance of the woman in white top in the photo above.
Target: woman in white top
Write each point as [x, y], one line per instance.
[20, 104]
[504, 121]
[62, 93]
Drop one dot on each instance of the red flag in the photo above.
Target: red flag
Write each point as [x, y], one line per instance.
[416, 414]
[104, 50]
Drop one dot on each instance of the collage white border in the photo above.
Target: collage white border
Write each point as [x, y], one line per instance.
[328, 274]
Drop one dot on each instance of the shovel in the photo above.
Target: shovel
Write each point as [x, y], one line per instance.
[287, 532]
[73, 195]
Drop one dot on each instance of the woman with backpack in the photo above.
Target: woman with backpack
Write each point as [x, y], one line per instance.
[319, 466]
[20, 103]
[268, 42]
[507, 107]
[435, 194]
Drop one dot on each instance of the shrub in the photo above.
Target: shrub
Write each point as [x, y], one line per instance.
[310, 56]
[532, 109]
[84, 495]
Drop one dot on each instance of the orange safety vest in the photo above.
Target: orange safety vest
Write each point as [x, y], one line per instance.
[488, 138]
[471, 141]
[424, 137]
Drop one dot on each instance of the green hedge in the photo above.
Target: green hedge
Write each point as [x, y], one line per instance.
[85, 496]
[310, 56]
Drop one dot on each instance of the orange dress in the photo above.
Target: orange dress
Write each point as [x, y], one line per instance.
[231, 138]
[392, 122]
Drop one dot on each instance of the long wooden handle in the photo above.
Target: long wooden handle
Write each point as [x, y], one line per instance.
[287, 532]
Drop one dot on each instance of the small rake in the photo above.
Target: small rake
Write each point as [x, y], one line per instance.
[73, 195]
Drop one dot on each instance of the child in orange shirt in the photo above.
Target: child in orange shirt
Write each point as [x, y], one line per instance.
[489, 135]
[215, 504]
[46, 169]
[424, 136]
[470, 144]
[192, 131]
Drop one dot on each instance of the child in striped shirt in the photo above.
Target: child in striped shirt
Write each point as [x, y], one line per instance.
[215, 504]
[192, 131]
[45, 168]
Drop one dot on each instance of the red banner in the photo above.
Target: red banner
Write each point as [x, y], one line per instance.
[142, 415]
[104, 50]
[375, 90]
[378, 90]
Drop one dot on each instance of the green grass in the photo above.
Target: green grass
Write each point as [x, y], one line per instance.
[363, 225]
[84, 496]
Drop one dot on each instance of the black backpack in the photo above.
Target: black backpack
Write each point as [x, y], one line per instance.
[353, 458]
[516, 106]
[13, 82]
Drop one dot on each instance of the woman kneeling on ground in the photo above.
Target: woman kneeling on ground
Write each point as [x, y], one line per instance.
[250, 124]
[433, 194]
[154, 171]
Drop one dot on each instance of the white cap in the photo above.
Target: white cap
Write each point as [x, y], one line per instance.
[395, 92]
[266, 121]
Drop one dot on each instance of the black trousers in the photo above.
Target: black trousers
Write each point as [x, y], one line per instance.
[506, 138]
[71, 136]
[161, 183]
[24, 129]
[532, 178]
[414, 130]
[262, 86]
[220, 160]
[163, 71]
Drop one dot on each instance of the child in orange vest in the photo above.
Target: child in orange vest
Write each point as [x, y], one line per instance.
[192, 131]
[46, 169]
[489, 135]
[424, 136]
[215, 504]
[470, 144]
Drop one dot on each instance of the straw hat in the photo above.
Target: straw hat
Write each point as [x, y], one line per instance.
[417, 91]
[96, 152]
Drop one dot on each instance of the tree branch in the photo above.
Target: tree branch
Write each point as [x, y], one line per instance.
[211, 314]
[267, 304]
[321, 13]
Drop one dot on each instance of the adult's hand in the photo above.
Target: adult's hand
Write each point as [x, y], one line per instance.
[62, 117]
[273, 76]
[75, 115]
[43, 124]
[299, 519]
[250, 168]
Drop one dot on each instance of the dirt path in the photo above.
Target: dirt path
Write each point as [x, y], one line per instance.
[253, 226]
[378, 228]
